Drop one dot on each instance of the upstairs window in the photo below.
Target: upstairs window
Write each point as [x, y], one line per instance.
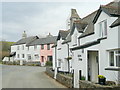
[22, 47]
[35, 47]
[23, 55]
[42, 46]
[18, 47]
[48, 46]
[28, 48]
[103, 28]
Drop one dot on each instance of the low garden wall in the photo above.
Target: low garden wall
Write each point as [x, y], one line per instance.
[50, 72]
[65, 80]
[88, 84]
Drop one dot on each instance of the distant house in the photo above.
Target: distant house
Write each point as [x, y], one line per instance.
[45, 50]
[34, 49]
[22, 52]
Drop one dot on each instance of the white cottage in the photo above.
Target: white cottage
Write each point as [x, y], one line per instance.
[21, 51]
[99, 50]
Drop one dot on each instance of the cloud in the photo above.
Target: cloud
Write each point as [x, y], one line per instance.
[39, 18]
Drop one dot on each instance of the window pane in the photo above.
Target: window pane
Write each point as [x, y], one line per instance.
[105, 27]
[48, 47]
[42, 46]
[118, 61]
[111, 58]
[117, 52]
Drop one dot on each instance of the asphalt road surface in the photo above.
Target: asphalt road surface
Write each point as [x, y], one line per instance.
[27, 77]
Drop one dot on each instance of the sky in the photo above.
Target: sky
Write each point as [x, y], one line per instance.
[40, 18]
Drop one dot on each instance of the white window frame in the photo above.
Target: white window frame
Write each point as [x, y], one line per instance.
[103, 29]
[115, 60]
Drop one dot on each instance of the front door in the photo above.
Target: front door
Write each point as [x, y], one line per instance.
[93, 66]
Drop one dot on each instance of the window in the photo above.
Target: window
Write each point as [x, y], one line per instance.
[36, 56]
[42, 46]
[22, 47]
[103, 28]
[29, 57]
[28, 47]
[23, 56]
[17, 47]
[111, 58]
[18, 56]
[114, 57]
[49, 58]
[35, 47]
[48, 46]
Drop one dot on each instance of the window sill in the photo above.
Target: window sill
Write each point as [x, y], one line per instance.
[101, 38]
[113, 68]
[74, 45]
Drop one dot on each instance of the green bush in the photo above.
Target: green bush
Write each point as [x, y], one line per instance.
[49, 63]
[83, 78]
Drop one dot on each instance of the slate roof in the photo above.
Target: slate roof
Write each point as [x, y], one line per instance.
[26, 40]
[90, 27]
[115, 23]
[111, 9]
[63, 34]
[46, 40]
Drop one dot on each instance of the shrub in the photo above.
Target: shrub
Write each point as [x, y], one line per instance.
[49, 63]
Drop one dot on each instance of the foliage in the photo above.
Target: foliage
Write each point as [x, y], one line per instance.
[5, 49]
[83, 78]
[101, 76]
[49, 63]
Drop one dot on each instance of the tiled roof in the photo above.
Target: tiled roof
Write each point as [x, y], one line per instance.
[90, 28]
[111, 9]
[47, 40]
[115, 23]
[63, 34]
[26, 40]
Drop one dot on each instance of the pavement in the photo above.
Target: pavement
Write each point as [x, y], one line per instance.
[26, 77]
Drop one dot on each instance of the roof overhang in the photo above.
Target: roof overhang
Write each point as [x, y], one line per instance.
[86, 45]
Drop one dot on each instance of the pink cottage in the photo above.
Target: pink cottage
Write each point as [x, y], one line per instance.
[46, 52]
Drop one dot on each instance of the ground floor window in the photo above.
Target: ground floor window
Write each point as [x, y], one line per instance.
[59, 62]
[114, 58]
[23, 55]
[49, 58]
[18, 56]
[29, 57]
[36, 56]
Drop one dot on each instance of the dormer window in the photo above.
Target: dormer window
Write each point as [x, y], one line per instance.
[103, 28]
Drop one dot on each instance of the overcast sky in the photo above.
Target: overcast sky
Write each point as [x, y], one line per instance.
[40, 18]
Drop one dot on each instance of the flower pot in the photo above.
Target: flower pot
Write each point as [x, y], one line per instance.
[102, 81]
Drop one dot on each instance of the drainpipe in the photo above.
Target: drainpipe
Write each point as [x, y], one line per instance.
[55, 72]
[68, 59]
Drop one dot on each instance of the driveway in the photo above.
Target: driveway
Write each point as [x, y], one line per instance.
[27, 77]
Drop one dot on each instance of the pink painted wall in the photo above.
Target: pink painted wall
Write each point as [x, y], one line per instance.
[44, 52]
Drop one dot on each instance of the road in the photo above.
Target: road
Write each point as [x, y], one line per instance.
[27, 77]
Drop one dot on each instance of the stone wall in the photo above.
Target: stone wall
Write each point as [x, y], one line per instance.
[49, 72]
[87, 84]
[65, 80]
